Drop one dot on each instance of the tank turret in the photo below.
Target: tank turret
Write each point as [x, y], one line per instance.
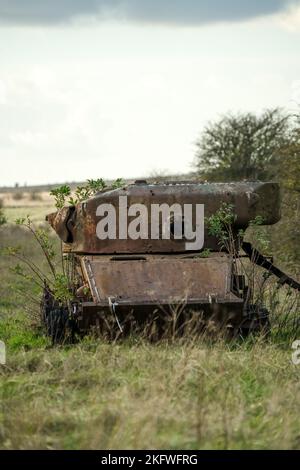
[77, 226]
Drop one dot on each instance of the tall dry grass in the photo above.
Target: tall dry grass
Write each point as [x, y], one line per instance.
[137, 395]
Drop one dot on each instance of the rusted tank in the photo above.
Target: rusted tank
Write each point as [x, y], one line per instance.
[120, 277]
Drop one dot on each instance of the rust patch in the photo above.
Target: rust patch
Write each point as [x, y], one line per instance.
[159, 280]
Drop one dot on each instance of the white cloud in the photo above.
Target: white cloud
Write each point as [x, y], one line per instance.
[29, 138]
[290, 19]
[146, 11]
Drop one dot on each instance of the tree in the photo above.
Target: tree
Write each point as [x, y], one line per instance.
[286, 235]
[2, 216]
[289, 164]
[244, 146]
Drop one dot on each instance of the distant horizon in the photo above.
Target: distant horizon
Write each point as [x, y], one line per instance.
[108, 180]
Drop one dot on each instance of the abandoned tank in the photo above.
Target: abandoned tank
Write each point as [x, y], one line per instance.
[124, 269]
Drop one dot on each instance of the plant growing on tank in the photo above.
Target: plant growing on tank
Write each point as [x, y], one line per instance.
[263, 289]
[220, 226]
[63, 195]
[55, 276]
[60, 195]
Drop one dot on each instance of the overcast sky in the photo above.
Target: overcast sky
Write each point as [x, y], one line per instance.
[123, 88]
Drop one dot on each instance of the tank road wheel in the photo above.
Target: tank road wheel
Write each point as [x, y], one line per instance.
[256, 321]
[55, 319]
[56, 325]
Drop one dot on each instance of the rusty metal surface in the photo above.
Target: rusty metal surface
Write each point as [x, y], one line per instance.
[159, 280]
[217, 316]
[58, 221]
[77, 226]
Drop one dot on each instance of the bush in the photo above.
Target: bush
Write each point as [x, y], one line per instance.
[242, 146]
[34, 196]
[2, 217]
[18, 195]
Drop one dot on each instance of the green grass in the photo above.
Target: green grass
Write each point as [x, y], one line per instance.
[179, 396]
[37, 213]
[132, 394]
[18, 332]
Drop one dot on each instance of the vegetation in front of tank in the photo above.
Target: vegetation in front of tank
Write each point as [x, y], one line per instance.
[59, 282]
[54, 274]
[29, 276]
[43, 242]
[265, 290]
[18, 332]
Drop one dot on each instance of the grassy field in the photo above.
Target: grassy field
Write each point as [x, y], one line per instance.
[183, 394]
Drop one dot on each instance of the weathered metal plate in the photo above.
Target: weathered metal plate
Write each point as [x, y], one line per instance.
[159, 280]
[78, 227]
